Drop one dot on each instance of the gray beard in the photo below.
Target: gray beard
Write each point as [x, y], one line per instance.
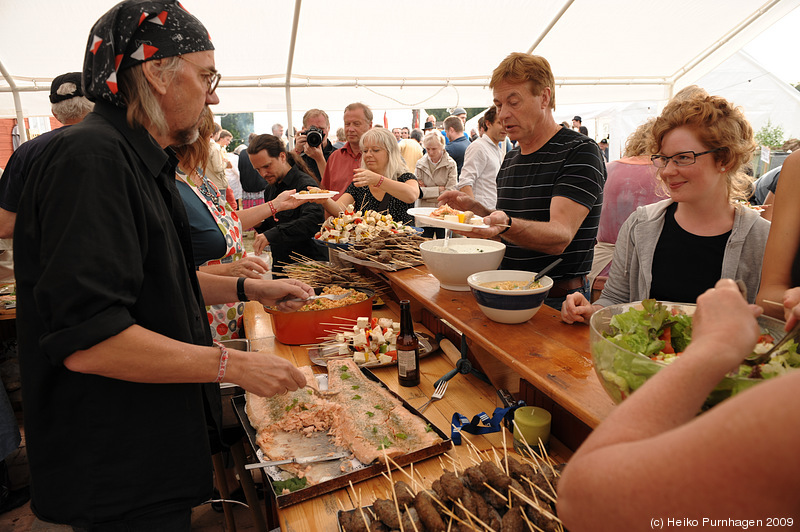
[186, 136]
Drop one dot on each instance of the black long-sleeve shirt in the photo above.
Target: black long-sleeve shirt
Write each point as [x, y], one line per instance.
[294, 230]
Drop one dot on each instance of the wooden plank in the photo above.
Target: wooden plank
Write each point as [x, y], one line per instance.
[551, 355]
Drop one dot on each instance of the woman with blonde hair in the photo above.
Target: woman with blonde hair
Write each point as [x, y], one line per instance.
[382, 183]
[676, 249]
[436, 170]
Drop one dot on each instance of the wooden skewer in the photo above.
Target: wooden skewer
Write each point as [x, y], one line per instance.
[772, 302]
[524, 498]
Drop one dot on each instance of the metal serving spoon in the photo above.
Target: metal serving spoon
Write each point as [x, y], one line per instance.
[541, 274]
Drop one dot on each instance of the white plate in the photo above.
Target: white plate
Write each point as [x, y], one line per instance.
[423, 217]
[319, 195]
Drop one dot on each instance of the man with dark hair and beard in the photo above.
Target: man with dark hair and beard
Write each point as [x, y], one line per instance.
[118, 368]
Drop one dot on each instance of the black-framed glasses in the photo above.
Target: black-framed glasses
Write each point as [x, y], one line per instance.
[684, 158]
[212, 77]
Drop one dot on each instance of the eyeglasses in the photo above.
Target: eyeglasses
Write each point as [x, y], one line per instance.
[684, 158]
[211, 77]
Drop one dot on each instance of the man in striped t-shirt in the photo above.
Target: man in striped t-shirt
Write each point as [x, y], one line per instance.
[549, 188]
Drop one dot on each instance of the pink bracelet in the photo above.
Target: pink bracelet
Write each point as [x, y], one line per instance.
[380, 181]
[223, 361]
[273, 209]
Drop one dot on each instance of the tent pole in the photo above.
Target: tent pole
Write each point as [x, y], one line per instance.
[549, 27]
[288, 85]
[23, 133]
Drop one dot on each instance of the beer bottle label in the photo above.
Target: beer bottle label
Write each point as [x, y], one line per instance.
[406, 363]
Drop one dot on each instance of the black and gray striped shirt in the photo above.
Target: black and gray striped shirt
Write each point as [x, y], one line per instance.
[569, 165]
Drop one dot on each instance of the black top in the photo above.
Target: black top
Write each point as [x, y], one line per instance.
[294, 230]
[19, 166]
[327, 149]
[249, 177]
[102, 243]
[208, 242]
[685, 265]
[569, 165]
[363, 200]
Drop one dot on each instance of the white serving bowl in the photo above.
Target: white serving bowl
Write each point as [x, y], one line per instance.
[461, 258]
[508, 306]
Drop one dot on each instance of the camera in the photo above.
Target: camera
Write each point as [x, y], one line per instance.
[313, 135]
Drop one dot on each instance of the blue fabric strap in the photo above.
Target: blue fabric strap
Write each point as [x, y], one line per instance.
[481, 423]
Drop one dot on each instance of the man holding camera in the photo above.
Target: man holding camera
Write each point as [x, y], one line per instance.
[312, 143]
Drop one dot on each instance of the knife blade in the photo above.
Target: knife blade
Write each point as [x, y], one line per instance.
[300, 460]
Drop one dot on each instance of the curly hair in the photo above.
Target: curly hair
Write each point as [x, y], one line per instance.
[638, 142]
[717, 124]
[384, 138]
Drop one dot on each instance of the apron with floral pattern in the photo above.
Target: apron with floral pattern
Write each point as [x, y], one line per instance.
[226, 320]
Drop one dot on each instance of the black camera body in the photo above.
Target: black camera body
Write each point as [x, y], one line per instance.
[314, 136]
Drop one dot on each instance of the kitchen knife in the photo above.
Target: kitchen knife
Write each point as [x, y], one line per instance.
[300, 460]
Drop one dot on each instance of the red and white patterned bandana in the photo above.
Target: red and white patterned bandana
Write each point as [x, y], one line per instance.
[135, 31]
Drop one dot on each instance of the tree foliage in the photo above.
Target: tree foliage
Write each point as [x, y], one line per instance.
[770, 136]
[240, 125]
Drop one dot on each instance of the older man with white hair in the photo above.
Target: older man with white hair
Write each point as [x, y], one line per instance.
[118, 367]
[69, 106]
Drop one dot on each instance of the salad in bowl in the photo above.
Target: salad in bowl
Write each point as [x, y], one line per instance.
[631, 342]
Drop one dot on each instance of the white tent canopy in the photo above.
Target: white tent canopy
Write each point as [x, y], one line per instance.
[297, 55]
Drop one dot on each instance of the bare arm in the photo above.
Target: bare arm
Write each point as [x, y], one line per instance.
[657, 455]
[248, 266]
[784, 239]
[255, 215]
[7, 220]
[553, 237]
[407, 192]
[139, 355]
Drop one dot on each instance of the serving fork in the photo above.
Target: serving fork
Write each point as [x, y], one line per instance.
[438, 393]
[791, 335]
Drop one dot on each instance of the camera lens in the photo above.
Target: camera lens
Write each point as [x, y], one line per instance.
[314, 137]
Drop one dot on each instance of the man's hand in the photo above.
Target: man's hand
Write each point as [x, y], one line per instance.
[724, 320]
[275, 293]
[263, 374]
[459, 200]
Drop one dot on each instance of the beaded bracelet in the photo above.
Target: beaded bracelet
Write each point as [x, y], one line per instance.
[380, 182]
[223, 361]
[273, 209]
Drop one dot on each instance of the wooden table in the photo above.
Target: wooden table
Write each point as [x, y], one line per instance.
[465, 394]
[550, 355]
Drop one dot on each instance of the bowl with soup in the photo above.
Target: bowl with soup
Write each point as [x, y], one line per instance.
[503, 295]
[452, 261]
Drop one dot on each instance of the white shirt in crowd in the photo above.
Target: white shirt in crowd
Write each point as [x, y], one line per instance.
[481, 164]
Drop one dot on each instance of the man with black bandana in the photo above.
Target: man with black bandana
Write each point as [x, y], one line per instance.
[118, 367]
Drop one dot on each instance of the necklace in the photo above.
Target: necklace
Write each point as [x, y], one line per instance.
[204, 187]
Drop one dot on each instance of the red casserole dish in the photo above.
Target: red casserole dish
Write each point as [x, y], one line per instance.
[309, 327]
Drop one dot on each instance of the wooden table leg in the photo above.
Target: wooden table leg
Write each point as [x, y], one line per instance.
[248, 486]
[224, 491]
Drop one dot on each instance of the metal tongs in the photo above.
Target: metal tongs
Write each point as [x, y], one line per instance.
[791, 335]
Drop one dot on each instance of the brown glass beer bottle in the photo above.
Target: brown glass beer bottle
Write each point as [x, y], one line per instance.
[407, 348]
